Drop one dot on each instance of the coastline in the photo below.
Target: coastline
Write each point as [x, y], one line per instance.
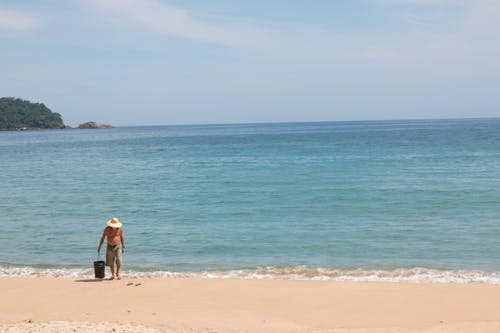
[297, 273]
[238, 305]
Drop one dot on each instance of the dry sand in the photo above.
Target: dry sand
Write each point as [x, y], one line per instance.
[204, 305]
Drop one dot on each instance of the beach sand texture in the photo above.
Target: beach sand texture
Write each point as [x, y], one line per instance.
[236, 305]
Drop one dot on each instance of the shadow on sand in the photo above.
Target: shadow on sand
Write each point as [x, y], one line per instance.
[92, 280]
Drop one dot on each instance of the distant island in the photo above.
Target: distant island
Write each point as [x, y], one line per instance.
[17, 114]
[93, 124]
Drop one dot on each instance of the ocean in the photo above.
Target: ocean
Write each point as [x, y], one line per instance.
[415, 200]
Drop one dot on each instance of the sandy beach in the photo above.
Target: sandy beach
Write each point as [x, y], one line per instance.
[235, 305]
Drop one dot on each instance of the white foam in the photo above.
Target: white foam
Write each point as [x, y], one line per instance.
[417, 274]
[44, 272]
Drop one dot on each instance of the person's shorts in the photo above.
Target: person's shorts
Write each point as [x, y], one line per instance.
[114, 252]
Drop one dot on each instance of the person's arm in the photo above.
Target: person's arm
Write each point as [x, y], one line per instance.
[122, 240]
[101, 241]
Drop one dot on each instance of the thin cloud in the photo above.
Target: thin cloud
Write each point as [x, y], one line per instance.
[471, 30]
[425, 2]
[16, 21]
[453, 50]
[173, 21]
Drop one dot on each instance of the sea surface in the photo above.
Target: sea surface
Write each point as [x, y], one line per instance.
[377, 200]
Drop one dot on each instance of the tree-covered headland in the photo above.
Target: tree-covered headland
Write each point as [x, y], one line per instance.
[18, 114]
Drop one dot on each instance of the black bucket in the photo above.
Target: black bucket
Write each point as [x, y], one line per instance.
[99, 269]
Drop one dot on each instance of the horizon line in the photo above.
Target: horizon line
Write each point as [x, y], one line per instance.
[309, 121]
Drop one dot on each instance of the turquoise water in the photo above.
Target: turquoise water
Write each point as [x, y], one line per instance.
[335, 196]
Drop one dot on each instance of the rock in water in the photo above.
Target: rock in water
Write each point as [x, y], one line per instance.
[93, 124]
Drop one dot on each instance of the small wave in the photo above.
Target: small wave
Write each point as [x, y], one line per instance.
[416, 274]
[44, 272]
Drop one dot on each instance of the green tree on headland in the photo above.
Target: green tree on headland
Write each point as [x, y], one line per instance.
[16, 113]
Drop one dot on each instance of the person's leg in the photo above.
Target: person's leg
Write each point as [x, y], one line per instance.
[112, 267]
[110, 260]
[118, 261]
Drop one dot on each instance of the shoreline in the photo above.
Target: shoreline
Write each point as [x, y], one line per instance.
[294, 273]
[238, 305]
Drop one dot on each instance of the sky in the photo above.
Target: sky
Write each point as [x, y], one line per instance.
[161, 62]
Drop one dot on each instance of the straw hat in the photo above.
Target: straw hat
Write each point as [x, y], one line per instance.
[114, 223]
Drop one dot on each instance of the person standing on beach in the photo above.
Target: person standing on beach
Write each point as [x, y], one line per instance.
[116, 246]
